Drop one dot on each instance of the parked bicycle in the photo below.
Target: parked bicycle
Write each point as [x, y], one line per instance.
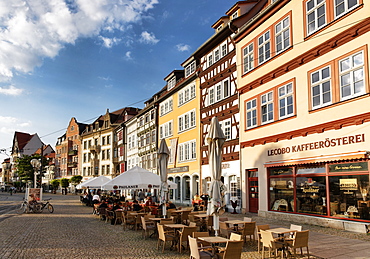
[35, 207]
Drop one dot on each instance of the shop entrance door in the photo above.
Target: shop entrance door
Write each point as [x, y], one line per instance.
[253, 190]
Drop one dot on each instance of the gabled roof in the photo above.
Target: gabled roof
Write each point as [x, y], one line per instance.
[21, 139]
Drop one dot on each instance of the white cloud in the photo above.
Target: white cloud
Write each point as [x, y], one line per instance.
[11, 124]
[148, 38]
[31, 30]
[182, 47]
[11, 90]
[109, 42]
[128, 55]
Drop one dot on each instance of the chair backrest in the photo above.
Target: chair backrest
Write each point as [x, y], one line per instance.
[193, 244]
[301, 239]
[102, 211]
[210, 221]
[249, 228]
[262, 227]
[165, 221]
[295, 227]
[246, 219]
[143, 223]
[119, 214]
[192, 224]
[161, 234]
[224, 219]
[233, 249]
[235, 237]
[224, 230]
[266, 238]
[187, 231]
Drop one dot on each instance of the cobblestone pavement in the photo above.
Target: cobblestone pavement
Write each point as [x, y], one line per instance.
[72, 231]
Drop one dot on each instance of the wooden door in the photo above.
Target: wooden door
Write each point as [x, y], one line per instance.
[253, 191]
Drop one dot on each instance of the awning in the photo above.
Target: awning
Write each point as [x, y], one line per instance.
[358, 155]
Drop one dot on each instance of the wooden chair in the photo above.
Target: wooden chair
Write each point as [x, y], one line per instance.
[102, 213]
[196, 252]
[225, 231]
[194, 220]
[296, 228]
[210, 224]
[203, 244]
[268, 241]
[164, 237]
[147, 227]
[119, 217]
[300, 241]
[258, 229]
[235, 237]
[129, 220]
[185, 217]
[186, 231]
[224, 219]
[109, 216]
[233, 250]
[248, 230]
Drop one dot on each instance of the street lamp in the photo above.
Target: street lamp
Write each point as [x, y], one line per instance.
[36, 164]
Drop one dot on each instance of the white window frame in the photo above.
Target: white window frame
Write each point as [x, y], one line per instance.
[282, 35]
[190, 69]
[223, 50]
[318, 5]
[187, 121]
[210, 61]
[166, 106]
[187, 151]
[321, 84]
[251, 111]
[264, 46]
[286, 100]
[352, 71]
[267, 103]
[226, 128]
[166, 129]
[345, 9]
[248, 58]
[171, 83]
[217, 55]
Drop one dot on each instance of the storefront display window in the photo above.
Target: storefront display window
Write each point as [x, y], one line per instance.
[282, 194]
[311, 195]
[349, 196]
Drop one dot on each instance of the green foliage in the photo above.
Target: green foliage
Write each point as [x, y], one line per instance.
[24, 168]
[64, 182]
[75, 180]
[55, 183]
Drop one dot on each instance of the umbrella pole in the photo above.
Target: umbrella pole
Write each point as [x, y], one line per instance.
[164, 212]
[216, 223]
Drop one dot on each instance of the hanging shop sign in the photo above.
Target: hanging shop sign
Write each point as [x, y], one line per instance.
[334, 142]
[349, 167]
[348, 184]
[181, 169]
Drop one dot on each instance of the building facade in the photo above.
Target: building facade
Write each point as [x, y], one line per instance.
[303, 83]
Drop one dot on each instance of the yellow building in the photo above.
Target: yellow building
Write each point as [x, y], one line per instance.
[179, 124]
[303, 81]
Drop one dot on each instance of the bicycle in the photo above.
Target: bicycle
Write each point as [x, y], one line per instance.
[24, 207]
[39, 206]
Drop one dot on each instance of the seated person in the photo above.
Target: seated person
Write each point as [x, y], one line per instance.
[149, 202]
[196, 199]
[170, 205]
[136, 206]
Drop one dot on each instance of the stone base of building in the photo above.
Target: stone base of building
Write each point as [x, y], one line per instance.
[319, 221]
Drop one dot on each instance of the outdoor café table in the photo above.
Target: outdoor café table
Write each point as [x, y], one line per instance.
[175, 226]
[213, 241]
[203, 221]
[280, 231]
[235, 222]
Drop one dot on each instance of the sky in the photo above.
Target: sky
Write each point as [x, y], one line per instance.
[77, 58]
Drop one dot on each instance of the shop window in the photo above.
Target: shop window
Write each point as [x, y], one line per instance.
[170, 191]
[186, 181]
[349, 196]
[234, 187]
[282, 194]
[311, 195]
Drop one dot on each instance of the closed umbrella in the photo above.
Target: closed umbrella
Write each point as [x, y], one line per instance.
[215, 140]
[163, 154]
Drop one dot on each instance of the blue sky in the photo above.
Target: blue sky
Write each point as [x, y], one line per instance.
[76, 58]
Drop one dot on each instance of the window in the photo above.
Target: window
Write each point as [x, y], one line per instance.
[108, 154]
[344, 6]
[108, 169]
[210, 60]
[166, 106]
[187, 151]
[85, 144]
[251, 113]
[103, 154]
[103, 141]
[282, 35]
[226, 88]
[108, 140]
[223, 50]
[316, 15]
[234, 187]
[171, 83]
[211, 96]
[153, 136]
[248, 58]
[218, 92]
[321, 87]
[103, 169]
[190, 69]
[187, 121]
[267, 108]
[165, 130]
[351, 75]
[129, 142]
[186, 94]
[286, 108]
[217, 55]
[234, 15]
[226, 128]
[264, 48]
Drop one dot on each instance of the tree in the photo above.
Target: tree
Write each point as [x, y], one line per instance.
[64, 183]
[25, 170]
[75, 180]
[55, 183]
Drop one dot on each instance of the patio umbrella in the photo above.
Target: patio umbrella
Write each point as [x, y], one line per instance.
[136, 178]
[163, 154]
[80, 186]
[216, 140]
[95, 183]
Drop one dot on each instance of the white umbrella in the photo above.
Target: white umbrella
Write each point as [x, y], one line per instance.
[79, 186]
[163, 154]
[136, 178]
[95, 183]
[216, 140]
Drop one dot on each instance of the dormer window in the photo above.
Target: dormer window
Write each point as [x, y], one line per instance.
[190, 69]
[234, 15]
[171, 83]
[219, 27]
